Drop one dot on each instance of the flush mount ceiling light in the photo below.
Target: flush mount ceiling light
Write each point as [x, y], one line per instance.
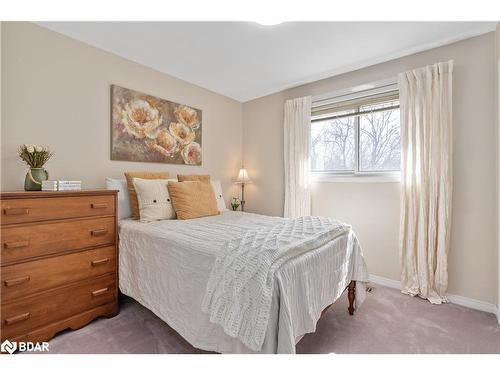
[269, 22]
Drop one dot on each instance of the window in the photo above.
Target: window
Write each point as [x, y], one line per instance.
[358, 136]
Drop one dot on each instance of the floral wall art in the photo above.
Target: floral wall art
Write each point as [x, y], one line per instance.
[149, 129]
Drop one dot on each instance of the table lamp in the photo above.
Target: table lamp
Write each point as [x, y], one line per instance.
[243, 179]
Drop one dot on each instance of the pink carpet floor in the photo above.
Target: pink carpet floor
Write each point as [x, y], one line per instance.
[388, 322]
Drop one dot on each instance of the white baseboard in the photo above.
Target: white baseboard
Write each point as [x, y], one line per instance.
[473, 303]
[385, 281]
[457, 300]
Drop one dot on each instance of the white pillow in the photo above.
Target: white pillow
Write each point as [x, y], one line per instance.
[221, 204]
[124, 210]
[154, 199]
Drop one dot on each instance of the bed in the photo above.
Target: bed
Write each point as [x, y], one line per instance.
[167, 266]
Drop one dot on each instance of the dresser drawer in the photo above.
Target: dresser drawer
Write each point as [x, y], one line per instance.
[21, 279]
[29, 313]
[27, 241]
[16, 211]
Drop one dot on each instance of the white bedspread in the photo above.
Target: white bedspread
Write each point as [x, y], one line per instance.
[240, 287]
[166, 266]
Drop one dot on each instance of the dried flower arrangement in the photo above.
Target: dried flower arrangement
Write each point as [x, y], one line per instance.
[34, 155]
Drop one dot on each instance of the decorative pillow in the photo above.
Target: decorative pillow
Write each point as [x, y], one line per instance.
[192, 199]
[221, 204]
[193, 177]
[154, 199]
[134, 204]
[123, 197]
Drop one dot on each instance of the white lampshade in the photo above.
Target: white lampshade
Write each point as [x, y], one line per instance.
[243, 177]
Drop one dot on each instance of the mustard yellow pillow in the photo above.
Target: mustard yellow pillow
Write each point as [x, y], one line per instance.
[192, 199]
[134, 203]
[193, 177]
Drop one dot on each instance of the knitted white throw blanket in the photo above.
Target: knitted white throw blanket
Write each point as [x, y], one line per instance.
[240, 287]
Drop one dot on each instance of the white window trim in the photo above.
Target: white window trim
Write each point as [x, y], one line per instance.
[359, 91]
[356, 175]
[370, 177]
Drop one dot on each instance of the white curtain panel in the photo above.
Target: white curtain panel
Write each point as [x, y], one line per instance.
[426, 167]
[297, 139]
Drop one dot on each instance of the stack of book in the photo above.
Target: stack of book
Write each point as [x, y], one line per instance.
[69, 185]
[60, 185]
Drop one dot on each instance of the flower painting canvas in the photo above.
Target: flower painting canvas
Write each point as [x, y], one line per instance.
[149, 129]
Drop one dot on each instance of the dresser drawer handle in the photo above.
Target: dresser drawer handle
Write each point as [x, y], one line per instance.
[17, 281]
[99, 205]
[99, 261]
[99, 232]
[16, 211]
[16, 244]
[17, 319]
[99, 292]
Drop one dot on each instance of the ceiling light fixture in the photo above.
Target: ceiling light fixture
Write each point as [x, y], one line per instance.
[269, 22]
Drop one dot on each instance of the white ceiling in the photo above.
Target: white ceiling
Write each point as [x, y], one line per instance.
[245, 60]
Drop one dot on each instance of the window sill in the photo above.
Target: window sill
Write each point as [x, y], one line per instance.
[358, 178]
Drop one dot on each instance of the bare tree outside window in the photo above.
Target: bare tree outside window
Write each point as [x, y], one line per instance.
[332, 145]
[379, 141]
[366, 141]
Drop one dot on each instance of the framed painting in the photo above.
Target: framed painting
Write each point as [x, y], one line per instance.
[150, 129]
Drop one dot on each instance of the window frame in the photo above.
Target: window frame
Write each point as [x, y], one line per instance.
[356, 175]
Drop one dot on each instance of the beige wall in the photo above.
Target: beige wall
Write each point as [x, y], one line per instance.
[373, 208]
[497, 55]
[56, 91]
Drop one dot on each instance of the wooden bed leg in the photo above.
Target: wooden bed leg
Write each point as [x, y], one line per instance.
[351, 292]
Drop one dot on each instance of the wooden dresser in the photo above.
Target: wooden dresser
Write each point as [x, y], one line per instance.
[58, 261]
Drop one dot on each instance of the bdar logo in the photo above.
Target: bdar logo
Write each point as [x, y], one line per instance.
[8, 347]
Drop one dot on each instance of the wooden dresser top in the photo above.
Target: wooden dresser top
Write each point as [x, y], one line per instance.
[47, 194]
